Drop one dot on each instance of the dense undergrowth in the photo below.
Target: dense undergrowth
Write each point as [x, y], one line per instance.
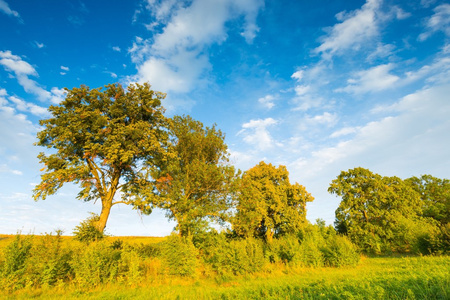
[41, 262]
[317, 263]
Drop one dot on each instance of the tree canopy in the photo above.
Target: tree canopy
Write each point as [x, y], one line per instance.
[195, 185]
[373, 207]
[105, 140]
[268, 204]
[435, 195]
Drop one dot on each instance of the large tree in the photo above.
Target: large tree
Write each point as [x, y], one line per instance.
[194, 187]
[106, 140]
[374, 208]
[268, 204]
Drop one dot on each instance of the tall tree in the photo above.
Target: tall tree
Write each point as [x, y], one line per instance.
[372, 206]
[106, 140]
[194, 187]
[268, 204]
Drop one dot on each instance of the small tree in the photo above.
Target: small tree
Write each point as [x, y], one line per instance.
[195, 185]
[268, 204]
[106, 141]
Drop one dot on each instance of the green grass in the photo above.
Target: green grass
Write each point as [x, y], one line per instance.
[373, 278]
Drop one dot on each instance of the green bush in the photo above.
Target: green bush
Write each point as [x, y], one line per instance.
[180, 255]
[95, 264]
[285, 249]
[310, 254]
[49, 262]
[14, 266]
[339, 251]
[87, 232]
[232, 256]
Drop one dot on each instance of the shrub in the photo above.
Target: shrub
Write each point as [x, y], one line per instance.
[95, 263]
[49, 261]
[285, 249]
[310, 254]
[232, 256]
[180, 255]
[87, 232]
[14, 266]
[340, 251]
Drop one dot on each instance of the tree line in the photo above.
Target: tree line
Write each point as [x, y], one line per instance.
[119, 147]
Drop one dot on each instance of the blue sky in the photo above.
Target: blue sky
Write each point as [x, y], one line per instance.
[318, 86]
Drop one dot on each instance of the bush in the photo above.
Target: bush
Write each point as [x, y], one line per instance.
[340, 251]
[285, 249]
[310, 254]
[87, 232]
[95, 264]
[50, 261]
[232, 256]
[14, 266]
[180, 255]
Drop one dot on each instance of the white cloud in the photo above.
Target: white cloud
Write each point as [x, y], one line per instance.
[355, 28]
[372, 80]
[175, 59]
[400, 13]
[4, 7]
[39, 45]
[256, 133]
[24, 106]
[64, 68]
[22, 71]
[5, 169]
[344, 131]
[15, 64]
[268, 101]
[439, 21]
[57, 95]
[325, 118]
[382, 51]
[117, 49]
[298, 75]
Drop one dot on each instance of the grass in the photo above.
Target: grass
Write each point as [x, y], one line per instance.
[373, 278]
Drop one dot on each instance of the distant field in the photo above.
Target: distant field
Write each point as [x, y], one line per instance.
[7, 238]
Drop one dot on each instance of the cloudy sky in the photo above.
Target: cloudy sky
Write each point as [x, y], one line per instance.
[318, 86]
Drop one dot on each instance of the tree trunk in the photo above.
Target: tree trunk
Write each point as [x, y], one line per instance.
[106, 209]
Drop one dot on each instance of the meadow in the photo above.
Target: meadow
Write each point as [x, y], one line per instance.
[140, 271]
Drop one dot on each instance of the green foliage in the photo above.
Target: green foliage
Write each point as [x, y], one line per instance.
[105, 141]
[49, 262]
[371, 208]
[14, 266]
[235, 256]
[196, 184]
[180, 255]
[268, 204]
[339, 251]
[435, 195]
[310, 254]
[95, 264]
[285, 249]
[87, 232]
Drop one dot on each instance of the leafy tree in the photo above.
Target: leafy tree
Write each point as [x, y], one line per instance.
[435, 195]
[105, 140]
[372, 206]
[268, 204]
[194, 186]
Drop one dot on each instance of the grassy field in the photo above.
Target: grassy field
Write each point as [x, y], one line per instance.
[373, 278]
